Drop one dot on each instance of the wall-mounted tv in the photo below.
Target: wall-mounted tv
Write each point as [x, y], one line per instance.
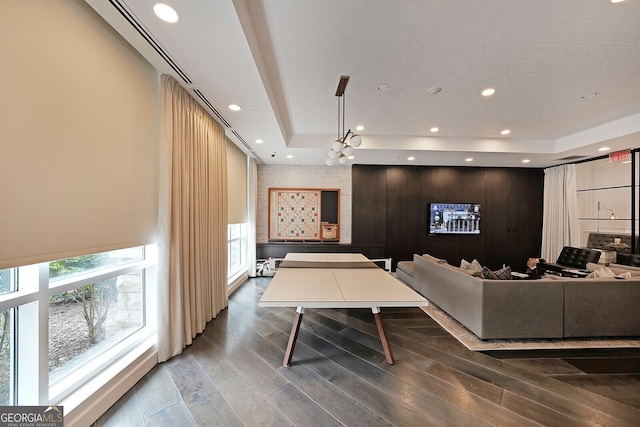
[454, 218]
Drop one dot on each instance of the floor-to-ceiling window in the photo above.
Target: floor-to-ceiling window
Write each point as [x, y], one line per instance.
[605, 202]
[238, 263]
[237, 250]
[63, 321]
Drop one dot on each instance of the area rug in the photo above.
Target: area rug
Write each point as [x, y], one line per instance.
[472, 342]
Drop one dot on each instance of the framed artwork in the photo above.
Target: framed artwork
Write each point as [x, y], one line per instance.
[297, 214]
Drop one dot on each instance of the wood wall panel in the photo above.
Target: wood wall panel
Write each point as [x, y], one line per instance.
[510, 198]
[530, 200]
[501, 216]
[369, 205]
[453, 185]
[403, 204]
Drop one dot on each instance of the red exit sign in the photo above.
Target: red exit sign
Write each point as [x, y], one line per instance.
[620, 156]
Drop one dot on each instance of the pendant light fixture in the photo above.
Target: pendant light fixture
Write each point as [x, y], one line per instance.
[344, 144]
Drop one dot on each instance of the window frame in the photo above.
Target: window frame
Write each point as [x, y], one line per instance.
[30, 302]
[242, 237]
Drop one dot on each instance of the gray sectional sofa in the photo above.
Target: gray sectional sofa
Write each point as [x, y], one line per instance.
[554, 307]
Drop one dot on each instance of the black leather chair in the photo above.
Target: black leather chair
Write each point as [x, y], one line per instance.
[629, 259]
[572, 258]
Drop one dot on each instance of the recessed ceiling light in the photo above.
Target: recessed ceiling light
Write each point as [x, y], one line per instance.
[505, 132]
[359, 127]
[411, 158]
[468, 159]
[289, 156]
[235, 107]
[526, 161]
[434, 90]
[604, 149]
[488, 92]
[617, 1]
[434, 129]
[259, 141]
[166, 12]
[384, 87]
[351, 157]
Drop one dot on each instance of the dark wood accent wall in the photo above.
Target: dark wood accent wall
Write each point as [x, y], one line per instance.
[403, 185]
[281, 249]
[370, 203]
[390, 208]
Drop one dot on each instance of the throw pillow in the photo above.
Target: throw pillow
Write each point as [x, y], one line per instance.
[472, 268]
[473, 265]
[473, 273]
[600, 273]
[604, 273]
[502, 274]
[434, 259]
[591, 266]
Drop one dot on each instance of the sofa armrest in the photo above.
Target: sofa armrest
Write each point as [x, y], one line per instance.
[601, 308]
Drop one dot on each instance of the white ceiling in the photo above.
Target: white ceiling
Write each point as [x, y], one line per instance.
[281, 61]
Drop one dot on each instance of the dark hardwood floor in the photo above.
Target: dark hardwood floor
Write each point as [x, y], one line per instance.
[232, 375]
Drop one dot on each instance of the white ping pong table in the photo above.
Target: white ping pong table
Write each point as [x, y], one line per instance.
[336, 280]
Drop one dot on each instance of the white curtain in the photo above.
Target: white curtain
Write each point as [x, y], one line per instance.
[192, 266]
[560, 211]
[252, 208]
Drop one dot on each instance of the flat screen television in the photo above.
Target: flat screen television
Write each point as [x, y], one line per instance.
[454, 218]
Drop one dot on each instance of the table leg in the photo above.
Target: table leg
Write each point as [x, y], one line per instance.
[288, 355]
[383, 335]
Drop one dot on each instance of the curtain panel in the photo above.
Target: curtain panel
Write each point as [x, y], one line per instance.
[192, 269]
[560, 211]
[252, 209]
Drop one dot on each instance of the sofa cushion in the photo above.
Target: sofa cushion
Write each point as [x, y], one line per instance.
[406, 266]
[405, 271]
[434, 259]
[624, 267]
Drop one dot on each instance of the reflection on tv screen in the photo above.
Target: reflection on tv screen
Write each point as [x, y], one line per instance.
[454, 218]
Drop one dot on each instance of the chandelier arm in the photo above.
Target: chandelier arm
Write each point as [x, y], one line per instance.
[341, 146]
[338, 136]
[343, 114]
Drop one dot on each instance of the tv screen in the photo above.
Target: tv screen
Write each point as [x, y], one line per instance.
[454, 218]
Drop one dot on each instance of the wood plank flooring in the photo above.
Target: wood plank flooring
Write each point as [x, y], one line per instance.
[232, 375]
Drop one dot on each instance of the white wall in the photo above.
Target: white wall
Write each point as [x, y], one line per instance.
[283, 176]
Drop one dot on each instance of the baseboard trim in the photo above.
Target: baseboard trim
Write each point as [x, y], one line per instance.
[235, 284]
[88, 403]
